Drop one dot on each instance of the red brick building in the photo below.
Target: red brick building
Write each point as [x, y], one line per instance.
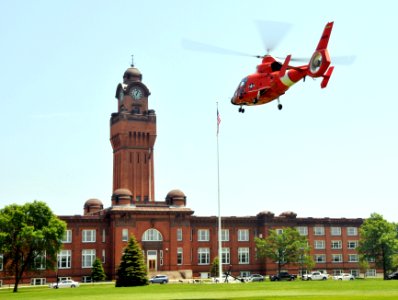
[173, 239]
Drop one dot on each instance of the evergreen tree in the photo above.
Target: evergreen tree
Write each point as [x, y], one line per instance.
[214, 267]
[132, 269]
[97, 272]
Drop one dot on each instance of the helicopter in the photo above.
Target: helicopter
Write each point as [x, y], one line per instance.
[272, 78]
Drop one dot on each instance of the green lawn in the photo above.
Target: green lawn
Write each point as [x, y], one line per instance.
[298, 290]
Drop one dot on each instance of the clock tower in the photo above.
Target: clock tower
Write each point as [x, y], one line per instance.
[133, 135]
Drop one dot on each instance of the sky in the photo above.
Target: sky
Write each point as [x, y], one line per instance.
[329, 153]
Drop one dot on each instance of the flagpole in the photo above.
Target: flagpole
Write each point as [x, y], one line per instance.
[219, 203]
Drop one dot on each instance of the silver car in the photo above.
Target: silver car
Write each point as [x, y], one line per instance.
[65, 284]
[159, 279]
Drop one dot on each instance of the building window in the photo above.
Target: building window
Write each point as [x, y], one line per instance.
[1, 262]
[161, 257]
[225, 256]
[352, 244]
[88, 257]
[179, 256]
[203, 235]
[243, 235]
[103, 235]
[319, 230]
[354, 272]
[279, 231]
[225, 235]
[243, 255]
[103, 256]
[39, 262]
[88, 236]
[320, 258]
[38, 281]
[337, 272]
[336, 244]
[179, 234]
[67, 238]
[371, 273]
[64, 259]
[353, 258]
[337, 258]
[319, 244]
[303, 230]
[86, 279]
[125, 235]
[152, 235]
[203, 256]
[352, 231]
[335, 231]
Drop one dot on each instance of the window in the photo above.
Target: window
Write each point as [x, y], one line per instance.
[337, 258]
[64, 259]
[320, 258]
[179, 234]
[86, 279]
[371, 273]
[179, 256]
[103, 256]
[353, 258]
[352, 244]
[39, 262]
[225, 256]
[103, 235]
[243, 235]
[152, 235]
[1, 262]
[38, 281]
[303, 230]
[319, 244]
[335, 231]
[337, 272]
[88, 236]
[67, 238]
[243, 255]
[203, 256]
[225, 235]
[336, 244]
[279, 231]
[319, 230]
[354, 272]
[88, 257]
[352, 231]
[203, 235]
[125, 235]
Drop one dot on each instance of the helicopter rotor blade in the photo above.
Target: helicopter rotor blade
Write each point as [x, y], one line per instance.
[338, 60]
[272, 33]
[197, 46]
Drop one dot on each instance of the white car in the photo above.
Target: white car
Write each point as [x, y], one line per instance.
[315, 276]
[65, 284]
[344, 276]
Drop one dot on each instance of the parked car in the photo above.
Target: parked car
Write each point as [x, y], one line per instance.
[315, 276]
[159, 279]
[255, 278]
[393, 276]
[65, 284]
[283, 276]
[344, 276]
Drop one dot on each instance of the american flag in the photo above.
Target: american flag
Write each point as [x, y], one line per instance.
[218, 121]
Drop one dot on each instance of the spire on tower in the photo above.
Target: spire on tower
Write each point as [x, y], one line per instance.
[132, 61]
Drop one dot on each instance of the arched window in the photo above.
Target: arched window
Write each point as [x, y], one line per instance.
[152, 235]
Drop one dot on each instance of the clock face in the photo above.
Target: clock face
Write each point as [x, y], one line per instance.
[137, 93]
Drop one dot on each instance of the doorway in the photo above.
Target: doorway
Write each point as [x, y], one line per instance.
[152, 257]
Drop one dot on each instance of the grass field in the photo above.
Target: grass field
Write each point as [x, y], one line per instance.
[298, 290]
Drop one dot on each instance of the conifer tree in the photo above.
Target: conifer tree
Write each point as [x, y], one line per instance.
[132, 269]
[97, 272]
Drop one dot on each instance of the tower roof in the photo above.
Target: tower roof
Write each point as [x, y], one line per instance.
[132, 74]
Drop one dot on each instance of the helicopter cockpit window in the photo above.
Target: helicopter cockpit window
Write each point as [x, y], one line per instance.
[243, 82]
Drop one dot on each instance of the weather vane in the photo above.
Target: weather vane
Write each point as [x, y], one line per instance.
[132, 60]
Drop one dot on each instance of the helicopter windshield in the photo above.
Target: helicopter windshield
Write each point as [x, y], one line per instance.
[243, 83]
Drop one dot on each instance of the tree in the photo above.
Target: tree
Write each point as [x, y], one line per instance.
[284, 248]
[379, 242]
[97, 272]
[29, 234]
[214, 267]
[132, 269]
